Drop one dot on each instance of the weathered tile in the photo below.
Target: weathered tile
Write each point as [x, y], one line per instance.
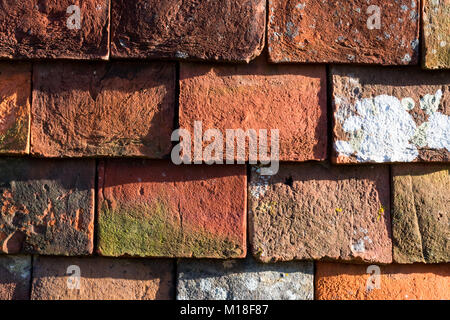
[226, 30]
[436, 25]
[421, 213]
[15, 94]
[97, 278]
[100, 109]
[390, 114]
[54, 29]
[244, 280]
[313, 212]
[335, 281]
[350, 31]
[157, 209]
[47, 206]
[291, 99]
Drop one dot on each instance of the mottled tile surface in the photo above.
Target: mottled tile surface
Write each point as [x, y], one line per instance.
[244, 280]
[47, 206]
[15, 104]
[436, 26]
[96, 278]
[226, 30]
[158, 209]
[99, 109]
[421, 213]
[313, 212]
[63, 29]
[355, 31]
[390, 115]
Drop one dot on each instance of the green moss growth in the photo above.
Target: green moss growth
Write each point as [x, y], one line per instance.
[16, 137]
[121, 147]
[149, 230]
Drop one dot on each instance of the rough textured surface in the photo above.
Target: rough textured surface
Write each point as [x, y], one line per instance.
[157, 209]
[337, 31]
[227, 30]
[15, 93]
[420, 213]
[118, 109]
[15, 274]
[310, 211]
[39, 29]
[259, 96]
[46, 207]
[397, 282]
[102, 279]
[436, 25]
[390, 114]
[244, 280]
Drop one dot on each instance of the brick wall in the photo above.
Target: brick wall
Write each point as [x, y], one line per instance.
[92, 205]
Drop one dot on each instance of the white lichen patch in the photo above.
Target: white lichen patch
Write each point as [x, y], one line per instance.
[408, 103]
[383, 130]
[344, 148]
[430, 103]
[380, 131]
[260, 185]
[181, 55]
[205, 285]
[420, 137]
[301, 6]
[251, 283]
[19, 266]
[359, 246]
[220, 294]
[437, 131]
[406, 58]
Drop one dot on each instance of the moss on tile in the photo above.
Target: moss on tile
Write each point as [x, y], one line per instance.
[15, 138]
[150, 230]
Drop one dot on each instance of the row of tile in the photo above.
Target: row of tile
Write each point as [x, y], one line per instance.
[131, 109]
[145, 208]
[96, 278]
[355, 31]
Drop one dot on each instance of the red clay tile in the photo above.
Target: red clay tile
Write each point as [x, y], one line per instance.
[313, 212]
[350, 31]
[99, 109]
[15, 94]
[157, 209]
[396, 282]
[54, 29]
[258, 96]
[55, 278]
[225, 30]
